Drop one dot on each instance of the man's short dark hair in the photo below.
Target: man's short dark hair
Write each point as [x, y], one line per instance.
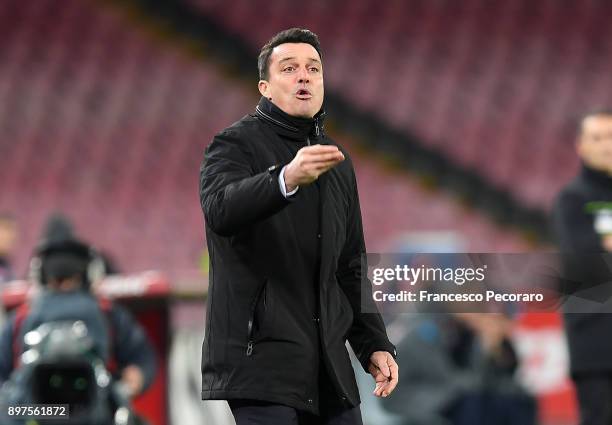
[293, 35]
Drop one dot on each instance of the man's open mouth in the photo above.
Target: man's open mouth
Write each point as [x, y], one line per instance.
[303, 94]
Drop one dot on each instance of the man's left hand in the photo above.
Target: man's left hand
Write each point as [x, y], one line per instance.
[385, 371]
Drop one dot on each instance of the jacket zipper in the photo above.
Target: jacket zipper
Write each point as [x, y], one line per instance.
[249, 349]
[318, 127]
[250, 340]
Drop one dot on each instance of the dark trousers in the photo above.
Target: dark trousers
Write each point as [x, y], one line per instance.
[594, 393]
[252, 412]
[332, 411]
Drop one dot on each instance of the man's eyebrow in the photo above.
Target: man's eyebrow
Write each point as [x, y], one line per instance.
[293, 58]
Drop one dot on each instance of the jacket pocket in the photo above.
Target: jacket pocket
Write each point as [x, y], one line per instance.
[257, 316]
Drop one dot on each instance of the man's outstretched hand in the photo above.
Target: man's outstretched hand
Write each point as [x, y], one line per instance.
[385, 371]
[309, 163]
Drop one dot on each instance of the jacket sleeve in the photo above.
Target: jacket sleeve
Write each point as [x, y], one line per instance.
[6, 349]
[368, 333]
[232, 195]
[131, 345]
[580, 246]
[572, 226]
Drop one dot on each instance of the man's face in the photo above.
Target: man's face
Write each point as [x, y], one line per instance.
[595, 142]
[8, 236]
[295, 79]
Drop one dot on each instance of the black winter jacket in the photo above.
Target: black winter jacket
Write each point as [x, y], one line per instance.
[270, 325]
[588, 338]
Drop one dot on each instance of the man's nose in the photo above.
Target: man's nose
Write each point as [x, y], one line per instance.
[303, 76]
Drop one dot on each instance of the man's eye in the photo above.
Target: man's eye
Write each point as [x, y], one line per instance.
[288, 69]
[314, 69]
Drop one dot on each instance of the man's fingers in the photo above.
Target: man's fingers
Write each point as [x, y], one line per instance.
[317, 170]
[311, 162]
[379, 378]
[385, 371]
[391, 385]
[378, 361]
[394, 371]
[381, 363]
[321, 167]
[320, 149]
[379, 391]
[393, 368]
[324, 157]
[309, 156]
[383, 389]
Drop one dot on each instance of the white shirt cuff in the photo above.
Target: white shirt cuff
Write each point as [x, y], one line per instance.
[281, 182]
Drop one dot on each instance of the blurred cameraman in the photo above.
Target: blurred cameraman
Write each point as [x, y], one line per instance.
[65, 270]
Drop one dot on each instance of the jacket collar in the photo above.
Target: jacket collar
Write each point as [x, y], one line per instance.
[596, 176]
[295, 128]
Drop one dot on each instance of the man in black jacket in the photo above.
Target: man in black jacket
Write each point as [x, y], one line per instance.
[284, 233]
[582, 225]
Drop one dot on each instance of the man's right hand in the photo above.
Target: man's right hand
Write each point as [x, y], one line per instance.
[309, 163]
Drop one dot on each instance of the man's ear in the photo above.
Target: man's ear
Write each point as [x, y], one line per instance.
[264, 88]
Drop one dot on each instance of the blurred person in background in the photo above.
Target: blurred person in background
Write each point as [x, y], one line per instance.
[59, 227]
[582, 219]
[459, 369]
[284, 233]
[66, 268]
[8, 237]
